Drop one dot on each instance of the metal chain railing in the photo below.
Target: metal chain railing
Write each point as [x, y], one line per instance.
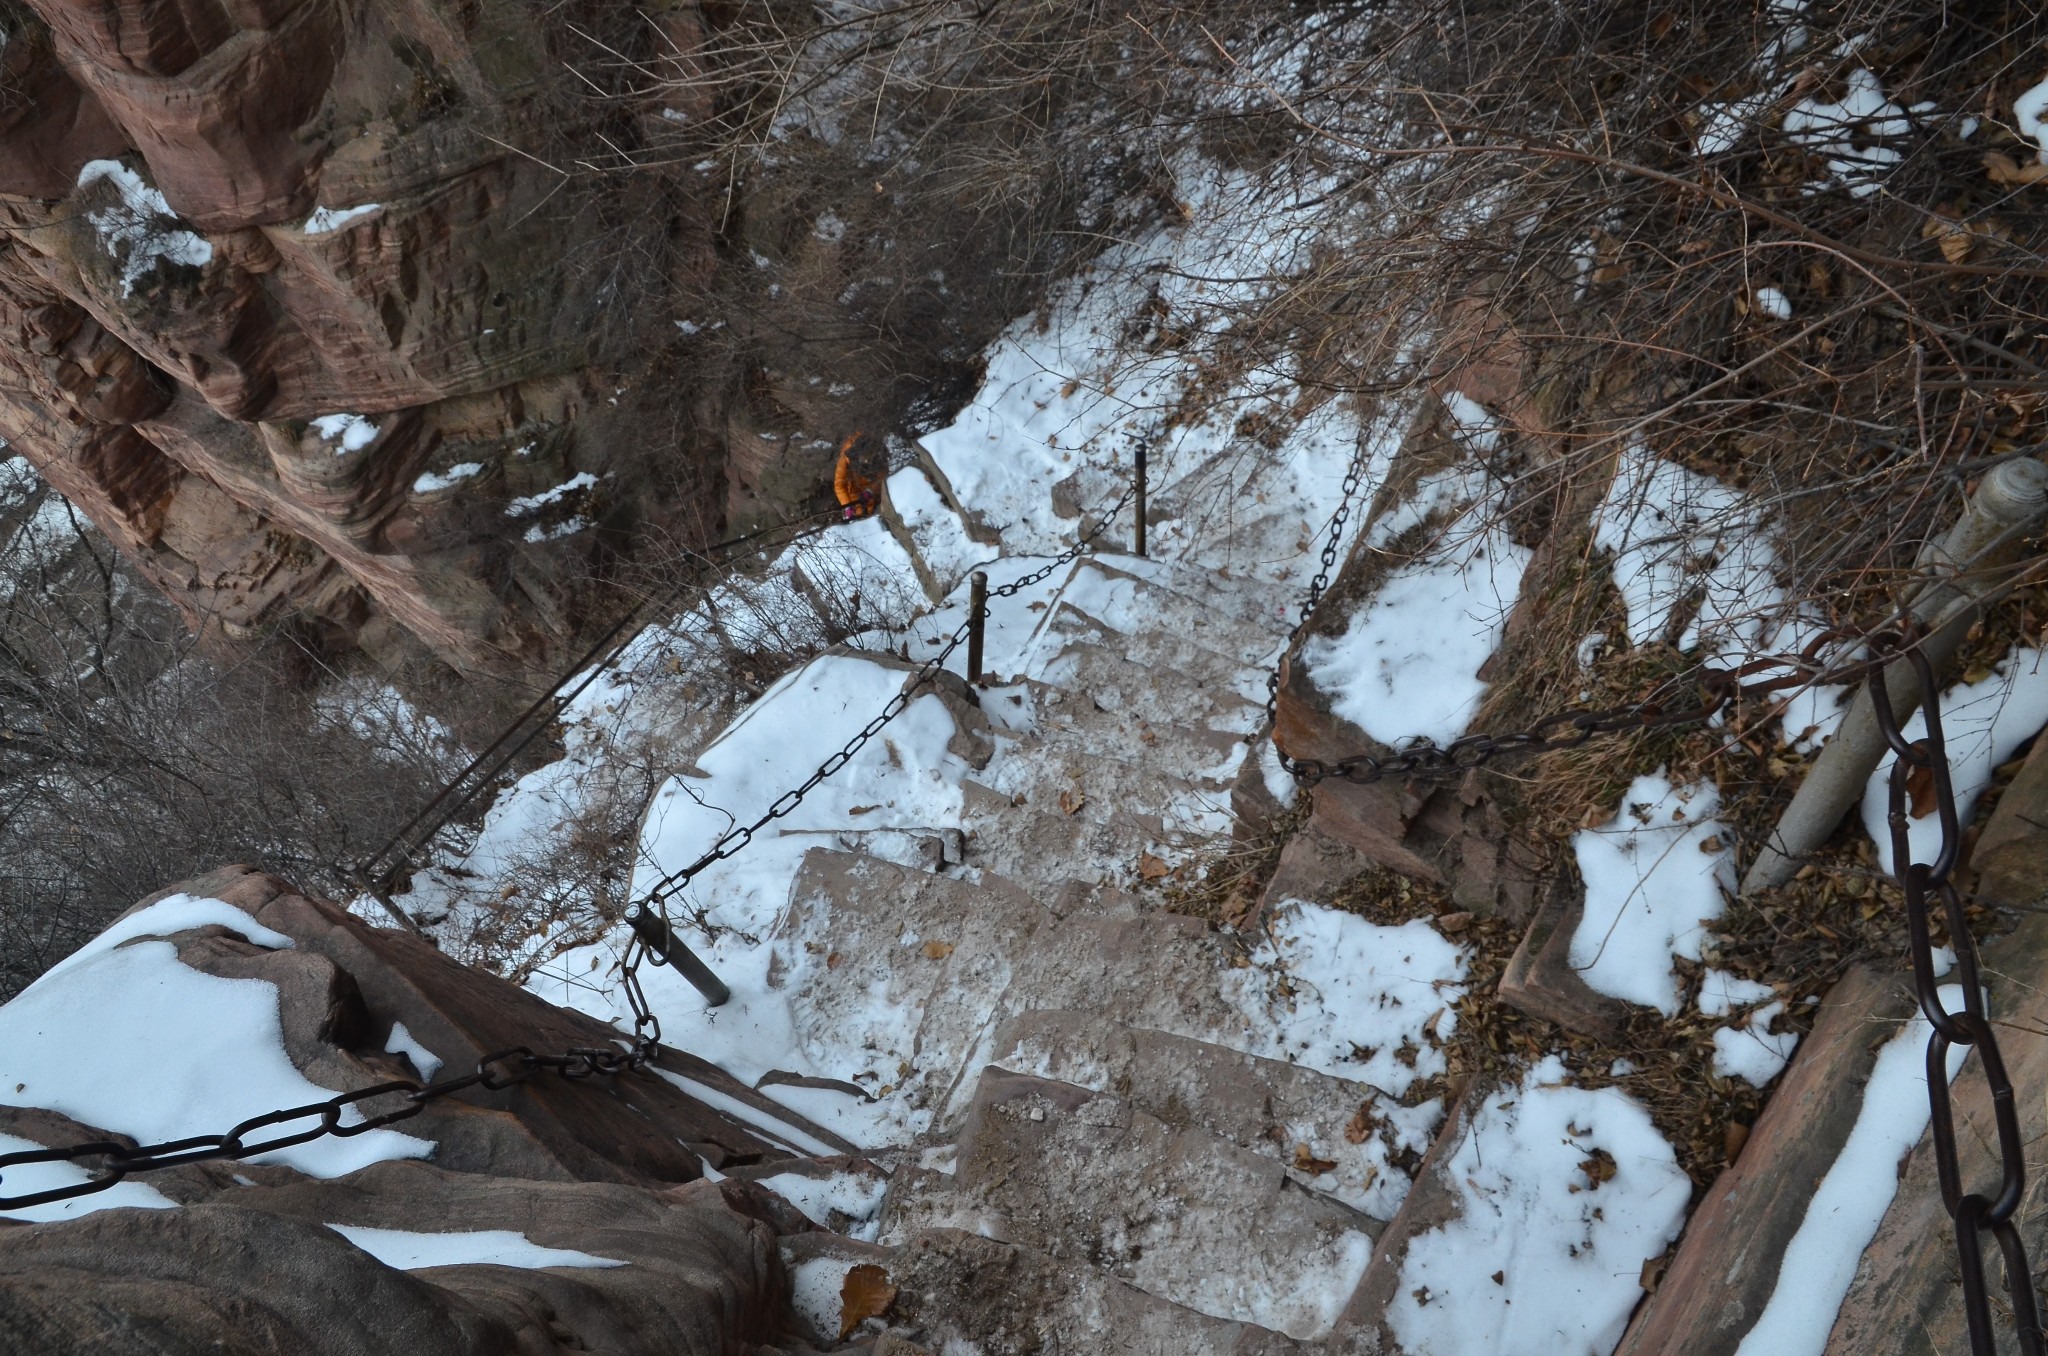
[1973, 1214]
[736, 839]
[115, 1162]
[376, 872]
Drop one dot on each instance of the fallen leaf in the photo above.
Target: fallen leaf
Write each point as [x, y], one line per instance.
[1361, 1126]
[833, 961]
[2003, 169]
[864, 1294]
[1304, 1161]
[1453, 923]
[1652, 1274]
[1711, 843]
[1920, 790]
[1071, 800]
[1733, 1138]
[1150, 867]
[937, 950]
[1598, 1168]
[1500, 1278]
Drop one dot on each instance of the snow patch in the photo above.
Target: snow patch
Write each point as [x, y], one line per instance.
[169, 1052]
[328, 219]
[1655, 875]
[352, 432]
[140, 230]
[1562, 1194]
[853, 1194]
[1842, 1218]
[1983, 724]
[29, 1178]
[402, 1042]
[410, 1251]
[433, 482]
[533, 503]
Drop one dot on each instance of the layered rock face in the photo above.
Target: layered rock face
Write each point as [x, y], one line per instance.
[295, 305]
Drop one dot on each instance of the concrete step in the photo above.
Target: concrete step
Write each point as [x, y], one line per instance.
[934, 952]
[1045, 849]
[1097, 676]
[1142, 612]
[959, 1293]
[1172, 788]
[1179, 1213]
[1336, 1136]
[1229, 602]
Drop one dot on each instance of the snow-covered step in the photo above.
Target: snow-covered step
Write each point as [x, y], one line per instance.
[1174, 647]
[1044, 849]
[1333, 1135]
[1223, 601]
[943, 547]
[1240, 626]
[1176, 1211]
[965, 1293]
[912, 964]
[1095, 675]
[1085, 780]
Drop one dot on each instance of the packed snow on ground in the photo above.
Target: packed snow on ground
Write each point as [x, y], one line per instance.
[1983, 724]
[1069, 396]
[858, 1196]
[124, 1036]
[1655, 875]
[1746, 1049]
[140, 230]
[1752, 1051]
[410, 1251]
[1407, 665]
[1680, 539]
[1334, 993]
[533, 503]
[905, 778]
[1543, 1257]
[1850, 1203]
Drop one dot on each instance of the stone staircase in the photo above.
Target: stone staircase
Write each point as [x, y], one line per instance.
[1113, 1154]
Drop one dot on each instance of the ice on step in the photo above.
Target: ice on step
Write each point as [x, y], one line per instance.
[1655, 875]
[1562, 1194]
[123, 1036]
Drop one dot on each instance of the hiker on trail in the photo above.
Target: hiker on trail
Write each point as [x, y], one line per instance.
[857, 480]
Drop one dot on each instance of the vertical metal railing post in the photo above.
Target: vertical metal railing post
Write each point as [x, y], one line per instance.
[1138, 499]
[977, 617]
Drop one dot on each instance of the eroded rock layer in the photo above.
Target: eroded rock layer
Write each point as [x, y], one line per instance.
[297, 303]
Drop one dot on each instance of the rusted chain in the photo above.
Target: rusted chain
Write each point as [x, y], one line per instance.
[1974, 1214]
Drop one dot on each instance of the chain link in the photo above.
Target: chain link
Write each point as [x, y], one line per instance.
[113, 1162]
[1974, 1214]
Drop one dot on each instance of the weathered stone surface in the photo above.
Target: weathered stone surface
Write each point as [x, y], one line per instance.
[1007, 1300]
[255, 1268]
[1539, 978]
[1179, 1213]
[447, 303]
[2011, 854]
[1266, 1106]
[1726, 1265]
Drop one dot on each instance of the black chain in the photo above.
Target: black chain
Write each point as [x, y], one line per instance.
[736, 839]
[1974, 1214]
[1354, 477]
[114, 1162]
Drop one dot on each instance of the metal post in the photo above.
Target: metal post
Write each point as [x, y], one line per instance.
[1138, 484]
[977, 617]
[658, 937]
[382, 896]
[2010, 501]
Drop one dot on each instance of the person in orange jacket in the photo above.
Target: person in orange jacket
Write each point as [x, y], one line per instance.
[857, 480]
